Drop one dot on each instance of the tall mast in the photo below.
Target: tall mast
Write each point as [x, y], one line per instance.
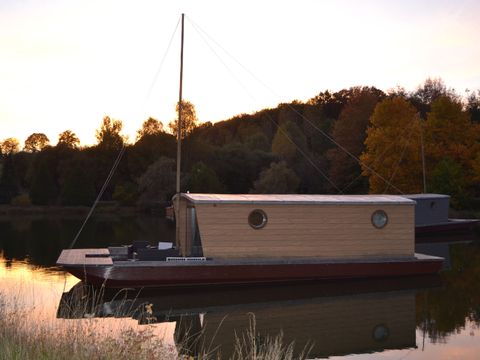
[179, 139]
[423, 159]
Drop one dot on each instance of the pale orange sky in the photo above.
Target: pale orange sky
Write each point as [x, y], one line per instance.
[66, 64]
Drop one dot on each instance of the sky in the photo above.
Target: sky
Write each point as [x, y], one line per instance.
[65, 64]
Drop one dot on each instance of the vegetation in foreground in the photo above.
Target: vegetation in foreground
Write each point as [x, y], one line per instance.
[23, 338]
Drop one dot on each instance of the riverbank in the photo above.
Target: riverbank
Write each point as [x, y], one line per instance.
[9, 210]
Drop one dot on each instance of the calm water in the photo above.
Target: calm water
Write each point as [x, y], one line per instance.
[414, 318]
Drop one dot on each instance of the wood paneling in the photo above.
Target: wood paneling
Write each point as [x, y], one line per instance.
[325, 231]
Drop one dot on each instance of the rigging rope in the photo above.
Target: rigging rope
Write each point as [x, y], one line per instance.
[284, 133]
[102, 190]
[150, 89]
[328, 137]
[122, 150]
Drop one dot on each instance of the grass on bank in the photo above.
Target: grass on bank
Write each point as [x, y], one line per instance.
[23, 338]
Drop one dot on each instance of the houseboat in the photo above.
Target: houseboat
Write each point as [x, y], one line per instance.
[431, 216]
[244, 239]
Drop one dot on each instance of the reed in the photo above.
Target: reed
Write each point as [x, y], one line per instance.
[23, 338]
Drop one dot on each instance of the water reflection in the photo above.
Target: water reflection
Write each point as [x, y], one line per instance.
[332, 318]
[39, 240]
[406, 318]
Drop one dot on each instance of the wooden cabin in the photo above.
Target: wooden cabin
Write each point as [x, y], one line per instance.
[224, 226]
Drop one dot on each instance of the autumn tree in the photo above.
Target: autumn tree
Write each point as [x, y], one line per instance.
[450, 134]
[36, 142]
[9, 146]
[68, 139]
[150, 126]
[473, 106]
[189, 119]
[392, 158]
[427, 93]
[277, 179]
[108, 135]
[349, 131]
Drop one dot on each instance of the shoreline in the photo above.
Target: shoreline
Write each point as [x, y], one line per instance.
[10, 210]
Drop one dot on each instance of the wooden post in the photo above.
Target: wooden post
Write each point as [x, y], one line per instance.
[179, 140]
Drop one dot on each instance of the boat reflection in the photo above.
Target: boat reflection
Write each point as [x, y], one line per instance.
[329, 319]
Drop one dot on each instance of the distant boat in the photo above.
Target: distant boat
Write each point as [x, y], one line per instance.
[431, 217]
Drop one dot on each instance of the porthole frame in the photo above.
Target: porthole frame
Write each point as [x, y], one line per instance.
[263, 222]
[379, 211]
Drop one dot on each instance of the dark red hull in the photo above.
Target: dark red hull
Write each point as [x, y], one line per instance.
[453, 226]
[137, 274]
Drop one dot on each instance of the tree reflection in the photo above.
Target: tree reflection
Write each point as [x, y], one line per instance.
[447, 310]
[39, 240]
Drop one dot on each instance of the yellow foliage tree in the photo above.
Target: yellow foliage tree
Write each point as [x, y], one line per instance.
[189, 119]
[392, 158]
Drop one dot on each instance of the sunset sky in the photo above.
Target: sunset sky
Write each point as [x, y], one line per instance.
[66, 64]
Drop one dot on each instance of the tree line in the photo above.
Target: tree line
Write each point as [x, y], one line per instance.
[353, 141]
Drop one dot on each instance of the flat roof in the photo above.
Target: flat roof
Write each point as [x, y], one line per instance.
[427, 196]
[295, 199]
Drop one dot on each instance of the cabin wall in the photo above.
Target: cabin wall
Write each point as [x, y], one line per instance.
[322, 231]
[431, 210]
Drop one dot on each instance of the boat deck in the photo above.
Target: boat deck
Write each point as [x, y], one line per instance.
[85, 257]
[99, 257]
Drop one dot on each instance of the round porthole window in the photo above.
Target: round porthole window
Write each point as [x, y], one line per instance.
[380, 333]
[379, 219]
[257, 219]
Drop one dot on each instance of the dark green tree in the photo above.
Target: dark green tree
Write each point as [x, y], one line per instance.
[8, 180]
[448, 178]
[277, 179]
[77, 186]
[203, 179]
[238, 167]
[157, 184]
[289, 142]
[44, 188]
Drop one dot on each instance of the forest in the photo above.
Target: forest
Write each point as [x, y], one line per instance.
[354, 141]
